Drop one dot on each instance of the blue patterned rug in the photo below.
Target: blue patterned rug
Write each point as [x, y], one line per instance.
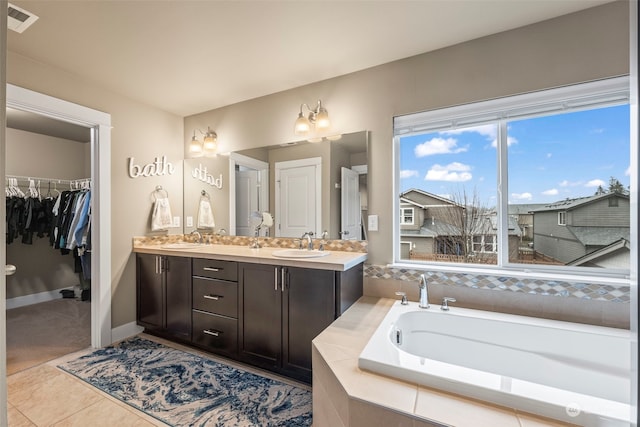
[183, 389]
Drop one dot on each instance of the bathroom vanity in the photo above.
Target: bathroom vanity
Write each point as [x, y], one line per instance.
[245, 304]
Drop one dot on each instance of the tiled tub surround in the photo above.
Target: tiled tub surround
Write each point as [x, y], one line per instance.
[581, 302]
[345, 396]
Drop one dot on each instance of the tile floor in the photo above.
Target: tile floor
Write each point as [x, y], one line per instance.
[47, 396]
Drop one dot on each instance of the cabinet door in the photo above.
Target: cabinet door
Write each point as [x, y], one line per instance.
[178, 296]
[260, 317]
[309, 307]
[149, 291]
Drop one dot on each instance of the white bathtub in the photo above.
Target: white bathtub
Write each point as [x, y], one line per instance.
[567, 371]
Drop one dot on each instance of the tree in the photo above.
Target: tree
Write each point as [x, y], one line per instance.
[462, 227]
[616, 186]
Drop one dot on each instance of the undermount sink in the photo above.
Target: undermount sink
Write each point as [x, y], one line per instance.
[299, 253]
[182, 245]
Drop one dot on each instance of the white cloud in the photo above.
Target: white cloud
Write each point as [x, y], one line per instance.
[490, 132]
[551, 192]
[596, 183]
[438, 146]
[522, 196]
[453, 172]
[567, 183]
[549, 155]
[408, 174]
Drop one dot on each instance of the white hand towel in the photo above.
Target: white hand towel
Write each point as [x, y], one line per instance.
[161, 219]
[205, 214]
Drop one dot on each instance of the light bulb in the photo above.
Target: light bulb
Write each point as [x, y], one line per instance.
[322, 119]
[302, 126]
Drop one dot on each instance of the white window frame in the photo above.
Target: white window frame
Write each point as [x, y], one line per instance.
[562, 218]
[402, 216]
[598, 94]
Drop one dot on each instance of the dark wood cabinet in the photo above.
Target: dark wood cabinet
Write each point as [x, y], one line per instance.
[215, 306]
[164, 295]
[283, 308]
[261, 314]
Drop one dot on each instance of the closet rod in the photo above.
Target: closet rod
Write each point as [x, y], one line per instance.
[37, 178]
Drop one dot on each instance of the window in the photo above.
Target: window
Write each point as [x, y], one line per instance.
[406, 216]
[562, 218]
[498, 179]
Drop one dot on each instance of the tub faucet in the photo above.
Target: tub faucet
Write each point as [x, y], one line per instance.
[424, 295]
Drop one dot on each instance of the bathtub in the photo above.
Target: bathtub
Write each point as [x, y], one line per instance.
[566, 371]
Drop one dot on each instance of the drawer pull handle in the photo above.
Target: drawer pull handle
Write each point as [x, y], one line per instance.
[213, 333]
[212, 269]
[213, 297]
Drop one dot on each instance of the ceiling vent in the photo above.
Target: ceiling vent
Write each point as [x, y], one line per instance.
[19, 19]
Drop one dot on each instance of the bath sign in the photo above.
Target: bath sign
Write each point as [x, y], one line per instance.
[200, 173]
[158, 167]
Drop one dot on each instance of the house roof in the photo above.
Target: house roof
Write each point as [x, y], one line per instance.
[569, 204]
[406, 196]
[602, 252]
[525, 208]
[596, 236]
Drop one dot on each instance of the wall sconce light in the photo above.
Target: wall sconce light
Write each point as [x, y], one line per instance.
[209, 144]
[318, 118]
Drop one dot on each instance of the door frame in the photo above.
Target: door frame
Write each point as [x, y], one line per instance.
[100, 125]
[236, 159]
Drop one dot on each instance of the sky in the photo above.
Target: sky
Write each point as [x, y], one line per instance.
[549, 158]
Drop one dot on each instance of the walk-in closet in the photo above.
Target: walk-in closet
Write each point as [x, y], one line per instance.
[48, 239]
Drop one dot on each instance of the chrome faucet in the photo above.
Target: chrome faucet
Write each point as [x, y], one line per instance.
[198, 235]
[424, 295]
[307, 236]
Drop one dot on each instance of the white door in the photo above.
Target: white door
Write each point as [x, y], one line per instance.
[298, 192]
[246, 200]
[350, 215]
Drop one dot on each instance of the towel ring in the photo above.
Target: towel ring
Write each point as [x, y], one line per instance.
[159, 190]
[205, 194]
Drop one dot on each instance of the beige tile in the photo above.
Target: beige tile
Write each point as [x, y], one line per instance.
[381, 288]
[364, 414]
[104, 414]
[457, 411]
[373, 388]
[17, 419]
[51, 398]
[325, 413]
[324, 377]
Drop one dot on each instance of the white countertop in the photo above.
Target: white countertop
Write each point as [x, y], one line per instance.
[336, 260]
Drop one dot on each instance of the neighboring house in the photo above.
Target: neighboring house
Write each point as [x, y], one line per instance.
[523, 214]
[431, 225]
[591, 231]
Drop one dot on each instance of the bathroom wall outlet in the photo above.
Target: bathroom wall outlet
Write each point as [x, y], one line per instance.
[373, 223]
[176, 221]
[189, 221]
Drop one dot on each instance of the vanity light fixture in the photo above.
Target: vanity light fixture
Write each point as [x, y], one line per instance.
[209, 144]
[317, 118]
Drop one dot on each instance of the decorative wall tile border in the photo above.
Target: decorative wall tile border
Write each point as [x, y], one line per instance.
[267, 242]
[590, 290]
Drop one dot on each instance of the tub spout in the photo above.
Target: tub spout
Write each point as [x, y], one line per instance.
[424, 294]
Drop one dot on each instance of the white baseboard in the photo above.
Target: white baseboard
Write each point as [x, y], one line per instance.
[125, 331]
[35, 298]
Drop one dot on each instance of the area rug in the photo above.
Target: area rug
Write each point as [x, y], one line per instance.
[183, 389]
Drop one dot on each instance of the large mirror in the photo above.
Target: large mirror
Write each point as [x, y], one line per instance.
[318, 187]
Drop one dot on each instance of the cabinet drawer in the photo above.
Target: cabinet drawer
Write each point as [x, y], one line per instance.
[223, 270]
[216, 333]
[215, 296]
